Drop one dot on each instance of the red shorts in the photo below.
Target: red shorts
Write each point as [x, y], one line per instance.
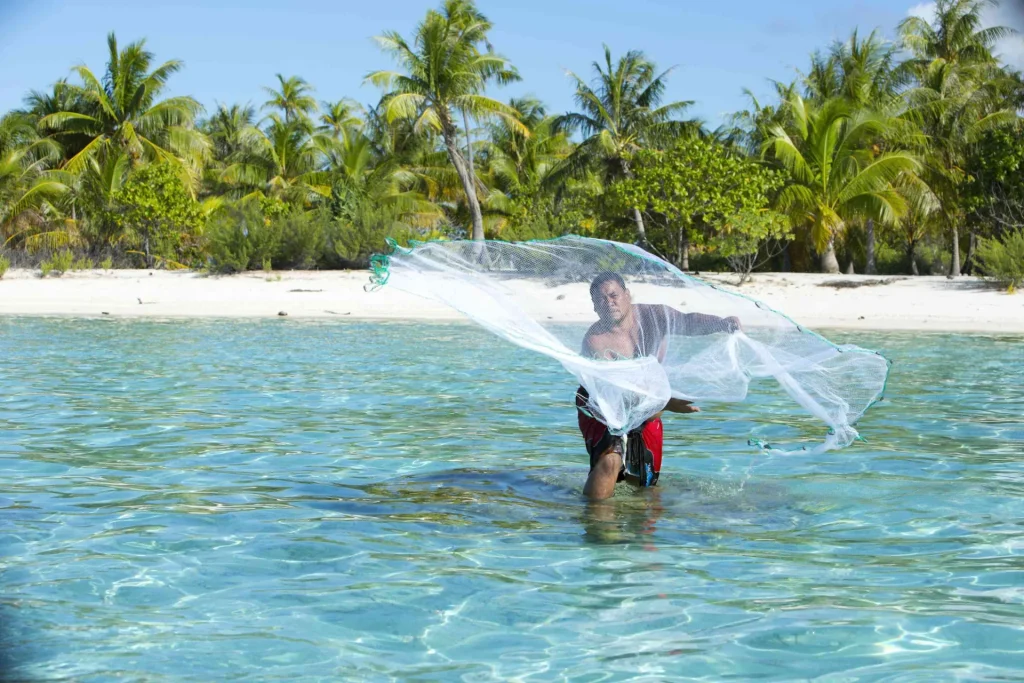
[598, 440]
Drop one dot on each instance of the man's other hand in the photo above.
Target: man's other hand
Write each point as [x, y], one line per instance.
[678, 405]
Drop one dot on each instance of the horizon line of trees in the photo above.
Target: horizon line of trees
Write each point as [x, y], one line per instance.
[891, 156]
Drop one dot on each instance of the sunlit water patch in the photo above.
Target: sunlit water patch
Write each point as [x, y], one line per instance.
[295, 500]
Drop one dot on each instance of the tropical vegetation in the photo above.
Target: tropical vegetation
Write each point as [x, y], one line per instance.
[880, 157]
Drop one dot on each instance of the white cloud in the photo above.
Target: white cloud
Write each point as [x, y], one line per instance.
[924, 10]
[1011, 49]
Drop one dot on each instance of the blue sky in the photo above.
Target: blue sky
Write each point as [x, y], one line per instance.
[232, 49]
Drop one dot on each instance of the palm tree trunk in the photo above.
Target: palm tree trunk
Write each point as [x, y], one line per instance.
[638, 219]
[682, 249]
[455, 156]
[641, 232]
[469, 145]
[829, 262]
[869, 267]
[954, 264]
[912, 257]
[969, 261]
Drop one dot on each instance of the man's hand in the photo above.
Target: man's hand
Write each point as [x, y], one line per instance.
[678, 405]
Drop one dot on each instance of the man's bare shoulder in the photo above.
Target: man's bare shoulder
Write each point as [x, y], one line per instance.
[595, 333]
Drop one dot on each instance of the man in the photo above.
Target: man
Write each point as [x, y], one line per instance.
[628, 330]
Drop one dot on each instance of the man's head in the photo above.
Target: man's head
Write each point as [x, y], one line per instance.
[611, 299]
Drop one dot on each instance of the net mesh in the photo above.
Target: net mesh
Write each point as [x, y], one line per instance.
[635, 331]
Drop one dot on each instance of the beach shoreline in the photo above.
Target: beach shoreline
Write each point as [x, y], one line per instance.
[853, 302]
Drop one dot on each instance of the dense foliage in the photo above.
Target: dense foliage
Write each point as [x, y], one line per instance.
[1003, 259]
[882, 157]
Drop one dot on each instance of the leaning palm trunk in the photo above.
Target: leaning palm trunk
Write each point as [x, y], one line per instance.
[641, 232]
[638, 218]
[829, 262]
[469, 145]
[451, 143]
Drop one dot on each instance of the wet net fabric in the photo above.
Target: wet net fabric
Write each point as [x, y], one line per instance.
[635, 331]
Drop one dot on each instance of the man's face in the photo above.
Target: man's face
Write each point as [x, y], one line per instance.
[612, 302]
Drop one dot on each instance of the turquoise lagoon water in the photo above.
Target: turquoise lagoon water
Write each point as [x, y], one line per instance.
[286, 500]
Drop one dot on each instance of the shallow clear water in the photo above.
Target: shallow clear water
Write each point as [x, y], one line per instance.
[295, 500]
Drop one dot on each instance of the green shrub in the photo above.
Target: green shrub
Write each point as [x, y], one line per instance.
[751, 238]
[351, 240]
[5, 263]
[241, 238]
[157, 214]
[303, 238]
[106, 263]
[933, 257]
[1003, 260]
[84, 263]
[889, 260]
[268, 266]
[58, 264]
[63, 260]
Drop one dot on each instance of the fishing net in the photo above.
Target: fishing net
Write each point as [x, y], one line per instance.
[635, 331]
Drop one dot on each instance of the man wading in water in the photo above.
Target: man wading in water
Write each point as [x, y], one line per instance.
[628, 330]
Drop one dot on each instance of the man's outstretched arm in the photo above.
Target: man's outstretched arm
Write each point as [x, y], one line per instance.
[697, 324]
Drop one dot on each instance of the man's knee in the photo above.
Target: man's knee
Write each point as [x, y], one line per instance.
[609, 462]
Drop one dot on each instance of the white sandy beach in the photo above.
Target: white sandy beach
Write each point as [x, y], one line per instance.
[938, 304]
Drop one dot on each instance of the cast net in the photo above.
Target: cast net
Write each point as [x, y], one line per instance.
[635, 331]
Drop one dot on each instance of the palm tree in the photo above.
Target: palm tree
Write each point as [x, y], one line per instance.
[954, 113]
[621, 113]
[396, 137]
[444, 72]
[518, 163]
[229, 133]
[361, 176]
[124, 112]
[62, 97]
[922, 207]
[514, 166]
[750, 128]
[340, 116]
[835, 173]
[955, 36]
[955, 99]
[862, 71]
[284, 159]
[867, 71]
[226, 129]
[292, 98]
[26, 185]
